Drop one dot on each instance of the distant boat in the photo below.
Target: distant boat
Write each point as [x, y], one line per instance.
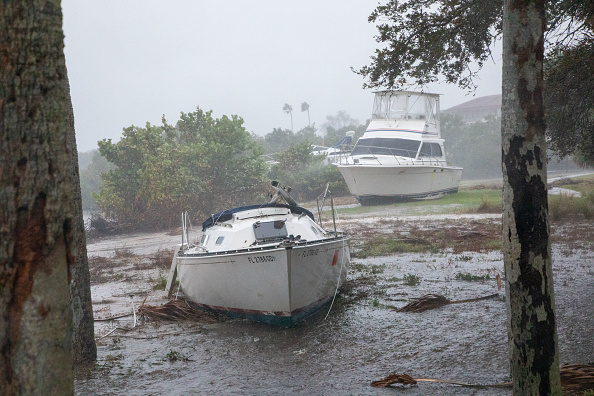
[343, 147]
[401, 155]
[271, 262]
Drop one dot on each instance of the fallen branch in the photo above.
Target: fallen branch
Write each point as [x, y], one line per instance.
[432, 301]
[108, 334]
[112, 318]
[405, 379]
[575, 378]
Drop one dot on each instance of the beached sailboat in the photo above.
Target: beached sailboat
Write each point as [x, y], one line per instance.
[270, 262]
[401, 155]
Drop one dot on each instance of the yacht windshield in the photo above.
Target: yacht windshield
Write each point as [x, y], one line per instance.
[387, 146]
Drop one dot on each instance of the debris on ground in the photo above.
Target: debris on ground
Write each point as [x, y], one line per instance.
[432, 301]
[405, 379]
[175, 310]
[575, 378]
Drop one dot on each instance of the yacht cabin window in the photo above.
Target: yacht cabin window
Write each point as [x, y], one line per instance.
[387, 146]
[432, 150]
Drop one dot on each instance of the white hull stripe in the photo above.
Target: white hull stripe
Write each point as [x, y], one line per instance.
[401, 130]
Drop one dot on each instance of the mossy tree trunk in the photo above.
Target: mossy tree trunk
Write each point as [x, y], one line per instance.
[84, 349]
[36, 241]
[532, 328]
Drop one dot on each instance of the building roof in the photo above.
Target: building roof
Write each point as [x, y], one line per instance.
[491, 101]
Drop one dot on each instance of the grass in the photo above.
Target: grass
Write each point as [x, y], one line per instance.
[471, 278]
[455, 238]
[411, 280]
[382, 245]
[467, 200]
[482, 199]
[163, 258]
[124, 253]
[175, 356]
[563, 207]
[160, 284]
[114, 358]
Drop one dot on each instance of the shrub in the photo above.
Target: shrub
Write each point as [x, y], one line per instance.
[411, 280]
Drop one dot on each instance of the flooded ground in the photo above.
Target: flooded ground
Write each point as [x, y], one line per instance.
[361, 339]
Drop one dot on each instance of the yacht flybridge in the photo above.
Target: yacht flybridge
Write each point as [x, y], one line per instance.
[401, 155]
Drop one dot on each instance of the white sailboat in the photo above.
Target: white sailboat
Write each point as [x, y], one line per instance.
[270, 262]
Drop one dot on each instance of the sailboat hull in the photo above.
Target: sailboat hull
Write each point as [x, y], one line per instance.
[280, 285]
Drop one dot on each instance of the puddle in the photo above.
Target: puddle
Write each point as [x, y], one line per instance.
[359, 342]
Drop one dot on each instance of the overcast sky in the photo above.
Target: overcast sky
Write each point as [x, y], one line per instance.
[132, 61]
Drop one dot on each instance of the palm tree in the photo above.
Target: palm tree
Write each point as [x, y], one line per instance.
[287, 108]
[305, 107]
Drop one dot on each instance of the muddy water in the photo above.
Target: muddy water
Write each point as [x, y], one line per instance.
[360, 341]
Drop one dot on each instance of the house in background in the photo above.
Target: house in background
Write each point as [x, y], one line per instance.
[477, 109]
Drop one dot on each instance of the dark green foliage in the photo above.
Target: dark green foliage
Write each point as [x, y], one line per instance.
[307, 174]
[201, 165]
[423, 39]
[569, 101]
[280, 139]
[426, 38]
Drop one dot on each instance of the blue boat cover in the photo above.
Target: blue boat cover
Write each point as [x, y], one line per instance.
[347, 140]
[228, 214]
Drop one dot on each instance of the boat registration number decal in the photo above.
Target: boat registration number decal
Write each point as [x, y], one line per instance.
[311, 252]
[261, 259]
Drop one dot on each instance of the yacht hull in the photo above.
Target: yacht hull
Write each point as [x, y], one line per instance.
[279, 285]
[399, 182]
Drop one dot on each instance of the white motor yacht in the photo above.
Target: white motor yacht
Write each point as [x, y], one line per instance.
[401, 154]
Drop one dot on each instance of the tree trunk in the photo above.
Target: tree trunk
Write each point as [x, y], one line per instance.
[36, 250]
[532, 330]
[84, 349]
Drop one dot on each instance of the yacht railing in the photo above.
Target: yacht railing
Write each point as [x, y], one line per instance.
[402, 156]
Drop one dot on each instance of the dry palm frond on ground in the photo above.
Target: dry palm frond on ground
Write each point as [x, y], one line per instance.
[432, 301]
[405, 379]
[177, 310]
[575, 378]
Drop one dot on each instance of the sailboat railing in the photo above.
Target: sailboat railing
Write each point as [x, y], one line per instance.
[186, 227]
[323, 196]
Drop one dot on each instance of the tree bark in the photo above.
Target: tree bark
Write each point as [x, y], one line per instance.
[84, 349]
[36, 244]
[532, 328]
